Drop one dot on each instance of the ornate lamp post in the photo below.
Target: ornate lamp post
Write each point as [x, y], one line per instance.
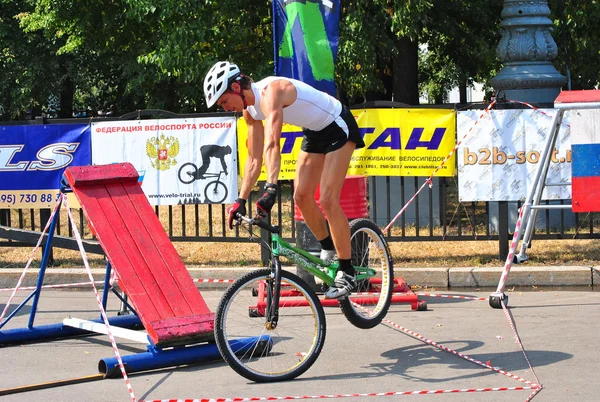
[527, 50]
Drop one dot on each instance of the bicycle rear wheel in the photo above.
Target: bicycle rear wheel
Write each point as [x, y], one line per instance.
[266, 355]
[369, 303]
[187, 173]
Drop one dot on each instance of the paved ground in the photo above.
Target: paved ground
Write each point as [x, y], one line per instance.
[559, 330]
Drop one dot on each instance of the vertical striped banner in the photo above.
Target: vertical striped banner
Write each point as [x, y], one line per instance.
[305, 36]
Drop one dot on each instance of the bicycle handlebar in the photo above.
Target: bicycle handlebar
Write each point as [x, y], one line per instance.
[256, 221]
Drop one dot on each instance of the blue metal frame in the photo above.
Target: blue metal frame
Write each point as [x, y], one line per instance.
[54, 331]
[155, 357]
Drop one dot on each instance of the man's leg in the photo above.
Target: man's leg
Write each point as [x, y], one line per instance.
[308, 171]
[332, 179]
[206, 152]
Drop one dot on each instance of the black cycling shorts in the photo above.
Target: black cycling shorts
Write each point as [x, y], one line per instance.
[333, 137]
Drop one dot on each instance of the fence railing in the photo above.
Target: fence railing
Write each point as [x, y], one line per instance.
[435, 215]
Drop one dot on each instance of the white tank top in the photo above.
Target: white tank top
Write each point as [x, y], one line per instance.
[312, 108]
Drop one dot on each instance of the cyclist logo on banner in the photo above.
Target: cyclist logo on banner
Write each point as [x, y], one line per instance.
[185, 161]
[215, 191]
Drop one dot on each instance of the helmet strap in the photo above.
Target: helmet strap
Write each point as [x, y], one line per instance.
[240, 93]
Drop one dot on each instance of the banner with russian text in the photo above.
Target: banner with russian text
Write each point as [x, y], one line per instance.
[33, 159]
[306, 41]
[399, 142]
[180, 161]
[499, 158]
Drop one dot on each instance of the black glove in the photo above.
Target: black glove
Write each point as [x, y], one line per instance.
[239, 207]
[266, 202]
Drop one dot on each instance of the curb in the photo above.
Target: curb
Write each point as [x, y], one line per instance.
[441, 278]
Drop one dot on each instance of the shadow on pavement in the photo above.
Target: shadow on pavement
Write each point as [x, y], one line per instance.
[408, 362]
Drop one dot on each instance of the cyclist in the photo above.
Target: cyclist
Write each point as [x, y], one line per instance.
[213, 151]
[330, 136]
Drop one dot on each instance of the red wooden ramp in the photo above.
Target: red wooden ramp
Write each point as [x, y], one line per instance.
[149, 269]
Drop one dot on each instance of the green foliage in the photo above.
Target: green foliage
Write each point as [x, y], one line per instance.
[141, 54]
[460, 45]
[364, 47]
[578, 39]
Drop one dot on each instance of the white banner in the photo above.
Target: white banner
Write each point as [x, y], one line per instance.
[180, 161]
[498, 159]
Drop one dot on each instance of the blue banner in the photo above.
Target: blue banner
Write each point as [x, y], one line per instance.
[33, 159]
[305, 34]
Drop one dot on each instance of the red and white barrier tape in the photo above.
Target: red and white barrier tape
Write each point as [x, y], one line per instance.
[65, 285]
[99, 301]
[31, 256]
[202, 280]
[332, 396]
[452, 296]
[113, 279]
[518, 340]
[454, 352]
[205, 280]
[513, 247]
[428, 180]
[536, 109]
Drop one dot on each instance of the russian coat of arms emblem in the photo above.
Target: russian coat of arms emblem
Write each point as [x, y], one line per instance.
[162, 151]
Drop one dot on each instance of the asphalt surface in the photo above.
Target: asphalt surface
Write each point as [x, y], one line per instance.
[558, 329]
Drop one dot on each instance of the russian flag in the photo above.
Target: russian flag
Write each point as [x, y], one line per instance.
[585, 147]
[585, 166]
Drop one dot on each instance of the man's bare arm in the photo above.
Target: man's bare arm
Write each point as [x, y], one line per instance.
[275, 97]
[255, 154]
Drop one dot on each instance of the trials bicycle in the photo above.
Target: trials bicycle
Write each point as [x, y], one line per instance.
[270, 324]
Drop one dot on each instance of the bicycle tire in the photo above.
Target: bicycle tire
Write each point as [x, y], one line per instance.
[286, 356]
[210, 192]
[369, 248]
[187, 179]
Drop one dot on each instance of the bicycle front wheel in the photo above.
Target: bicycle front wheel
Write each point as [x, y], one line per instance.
[251, 346]
[215, 192]
[369, 303]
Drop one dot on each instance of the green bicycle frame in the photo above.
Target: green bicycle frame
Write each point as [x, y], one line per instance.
[312, 264]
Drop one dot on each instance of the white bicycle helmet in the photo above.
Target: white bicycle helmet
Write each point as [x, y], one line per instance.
[218, 79]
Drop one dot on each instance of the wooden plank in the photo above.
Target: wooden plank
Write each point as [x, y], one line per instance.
[179, 331]
[198, 319]
[144, 239]
[135, 251]
[91, 175]
[149, 267]
[191, 294]
[117, 255]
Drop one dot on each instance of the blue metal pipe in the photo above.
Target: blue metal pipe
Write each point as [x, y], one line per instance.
[106, 288]
[56, 331]
[175, 357]
[43, 266]
[16, 310]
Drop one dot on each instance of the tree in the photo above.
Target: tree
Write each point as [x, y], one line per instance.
[142, 54]
[461, 41]
[578, 39]
[27, 64]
